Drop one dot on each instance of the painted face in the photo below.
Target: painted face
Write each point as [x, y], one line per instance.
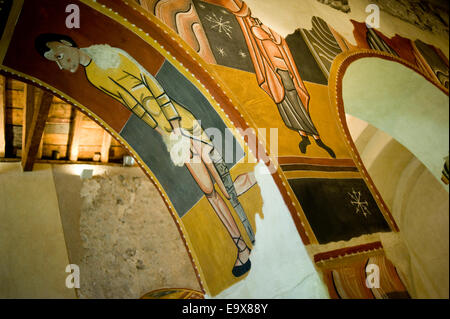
[66, 56]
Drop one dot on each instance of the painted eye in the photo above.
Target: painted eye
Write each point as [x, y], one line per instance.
[60, 56]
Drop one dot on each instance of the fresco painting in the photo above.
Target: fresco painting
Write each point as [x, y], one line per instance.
[307, 56]
[159, 93]
[429, 60]
[348, 278]
[346, 203]
[310, 70]
[181, 16]
[225, 37]
[433, 61]
[278, 76]
[129, 93]
[322, 43]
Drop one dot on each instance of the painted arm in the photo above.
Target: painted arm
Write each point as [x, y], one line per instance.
[162, 100]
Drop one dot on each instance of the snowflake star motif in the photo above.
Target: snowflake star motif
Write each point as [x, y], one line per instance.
[242, 54]
[221, 51]
[220, 24]
[361, 206]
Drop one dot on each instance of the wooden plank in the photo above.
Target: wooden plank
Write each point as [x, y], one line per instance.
[36, 130]
[115, 142]
[62, 162]
[41, 149]
[74, 135]
[57, 128]
[57, 120]
[87, 152]
[2, 115]
[15, 132]
[56, 139]
[12, 84]
[88, 123]
[57, 100]
[15, 98]
[91, 136]
[60, 111]
[14, 116]
[117, 153]
[106, 145]
[47, 150]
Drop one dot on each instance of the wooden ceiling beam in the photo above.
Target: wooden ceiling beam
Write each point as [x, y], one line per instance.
[2, 115]
[74, 135]
[28, 112]
[35, 131]
[41, 149]
[106, 145]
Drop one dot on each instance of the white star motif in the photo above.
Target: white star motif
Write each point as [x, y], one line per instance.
[221, 51]
[242, 54]
[220, 24]
[361, 206]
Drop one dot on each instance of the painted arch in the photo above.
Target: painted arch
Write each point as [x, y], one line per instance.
[165, 61]
[316, 185]
[407, 104]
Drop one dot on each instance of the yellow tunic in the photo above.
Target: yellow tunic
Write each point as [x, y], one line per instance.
[140, 92]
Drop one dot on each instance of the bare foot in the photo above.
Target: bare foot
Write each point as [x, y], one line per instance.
[243, 251]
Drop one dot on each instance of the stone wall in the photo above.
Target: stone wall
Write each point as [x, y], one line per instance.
[131, 244]
[425, 15]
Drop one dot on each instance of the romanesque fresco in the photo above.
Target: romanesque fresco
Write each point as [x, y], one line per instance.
[352, 279]
[293, 73]
[322, 44]
[346, 203]
[161, 115]
[336, 198]
[173, 294]
[179, 83]
[428, 59]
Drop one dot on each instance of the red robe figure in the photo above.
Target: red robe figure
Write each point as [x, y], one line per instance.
[277, 73]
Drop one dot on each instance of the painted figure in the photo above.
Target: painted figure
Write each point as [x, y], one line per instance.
[277, 73]
[117, 74]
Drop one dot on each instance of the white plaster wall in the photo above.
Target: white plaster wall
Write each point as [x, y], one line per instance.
[32, 247]
[419, 205]
[421, 211]
[403, 104]
[281, 266]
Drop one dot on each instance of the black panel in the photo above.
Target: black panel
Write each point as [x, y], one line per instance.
[224, 36]
[328, 206]
[307, 66]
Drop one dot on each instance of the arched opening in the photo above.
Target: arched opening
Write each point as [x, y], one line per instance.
[388, 105]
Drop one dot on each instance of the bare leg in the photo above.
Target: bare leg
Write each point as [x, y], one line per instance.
[244, 182]
[200, 173]
[220, 174]
[203, 150]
